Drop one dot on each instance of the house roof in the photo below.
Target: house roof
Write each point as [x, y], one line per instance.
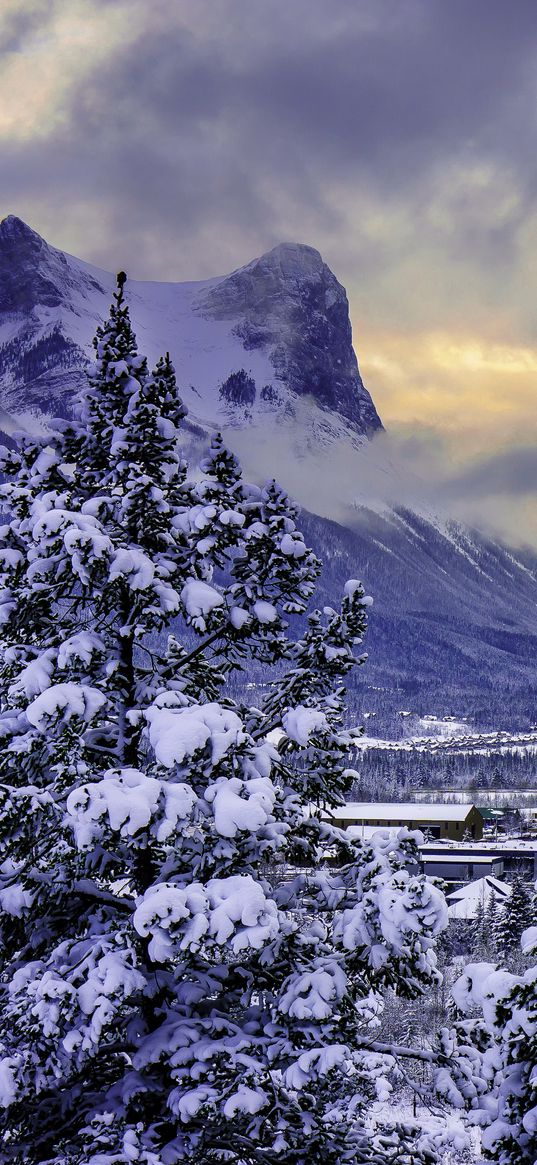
[465, 903]
[481, 885]
[400, 811]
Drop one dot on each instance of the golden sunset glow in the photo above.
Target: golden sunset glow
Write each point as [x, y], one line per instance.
[478, 393]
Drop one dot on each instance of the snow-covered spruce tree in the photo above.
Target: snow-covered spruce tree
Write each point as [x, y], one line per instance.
[493, 1055]
[191, 960]
[515, 917]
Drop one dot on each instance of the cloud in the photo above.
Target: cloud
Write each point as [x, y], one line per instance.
[47, 48]
[19, 21]
[186, 138]
[181, 139]
[418, 470]
[201, 125]
[510, 473]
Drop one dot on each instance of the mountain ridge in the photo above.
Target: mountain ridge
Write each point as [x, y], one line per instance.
[282, 320]
[452, 626]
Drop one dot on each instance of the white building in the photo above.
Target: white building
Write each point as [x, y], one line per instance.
[439, 820]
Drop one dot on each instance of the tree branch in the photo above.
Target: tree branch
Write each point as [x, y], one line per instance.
[403, 1052]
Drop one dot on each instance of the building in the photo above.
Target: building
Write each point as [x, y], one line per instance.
[453, 822]
[455, 867]
[508, 856]
[466, 902]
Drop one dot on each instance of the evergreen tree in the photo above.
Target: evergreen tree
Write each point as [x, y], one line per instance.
[483, 944]
[493, 1050]
[479, 938]
[490, 924]
[514, 917]
[191, 958]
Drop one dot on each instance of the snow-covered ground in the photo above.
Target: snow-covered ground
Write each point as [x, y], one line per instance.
[458, 1143]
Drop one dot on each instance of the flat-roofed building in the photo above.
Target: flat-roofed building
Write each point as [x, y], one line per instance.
[516, 855]
[460, 867]
[439, 820]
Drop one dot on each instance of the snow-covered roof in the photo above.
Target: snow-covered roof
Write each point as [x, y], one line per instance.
[400, 811]
[488, 884]
[459, 860]
[499, 845]
[465, 903]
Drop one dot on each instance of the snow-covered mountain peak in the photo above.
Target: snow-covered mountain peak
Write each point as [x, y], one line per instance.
[12, 227]
[269, 344]
[33, 274]
[292, 260]
[289, 305]
[266, 354]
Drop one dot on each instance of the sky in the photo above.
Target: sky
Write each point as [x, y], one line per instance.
[180, 139]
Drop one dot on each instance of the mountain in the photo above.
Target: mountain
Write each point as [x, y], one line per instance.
[452, 630]
[266, 353]
[259, 347]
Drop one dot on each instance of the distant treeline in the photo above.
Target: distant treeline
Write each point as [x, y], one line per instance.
[391, 775]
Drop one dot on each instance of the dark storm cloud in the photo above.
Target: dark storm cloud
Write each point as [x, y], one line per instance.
[358, 92]
[395, 94]
[212, 110]
[331, 90]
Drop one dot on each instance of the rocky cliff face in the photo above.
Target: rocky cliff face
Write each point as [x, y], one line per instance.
[290, 304]
[269, 344]
[33, 275]
[46, 304]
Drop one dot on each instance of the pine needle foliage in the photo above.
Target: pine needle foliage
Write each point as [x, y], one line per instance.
[192, 960]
